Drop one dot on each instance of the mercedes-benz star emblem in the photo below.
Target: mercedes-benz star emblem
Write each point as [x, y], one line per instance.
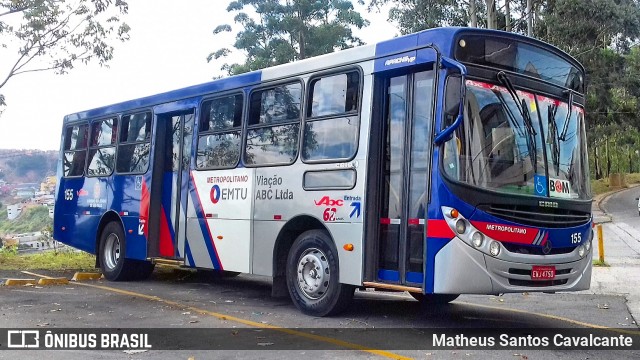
[546, 248]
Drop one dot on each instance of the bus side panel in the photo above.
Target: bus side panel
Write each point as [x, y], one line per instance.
[219, 219]
[350, 261]
[126, 193]
[280, 196]
[75, 221]
[199, 247]
[265, 234]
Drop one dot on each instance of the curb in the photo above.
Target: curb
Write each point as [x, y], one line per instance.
[53, 281]
[20, 282]
[606, 195]
[83, 276]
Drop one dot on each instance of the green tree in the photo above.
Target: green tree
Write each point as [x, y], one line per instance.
[600, 34]
[415, 15]
[56, 35]
[280, 31]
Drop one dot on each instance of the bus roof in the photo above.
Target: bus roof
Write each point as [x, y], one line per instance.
[442, 38]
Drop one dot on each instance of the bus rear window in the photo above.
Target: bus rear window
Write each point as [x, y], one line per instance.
[75, 150]
[75, 137]
[521, 58]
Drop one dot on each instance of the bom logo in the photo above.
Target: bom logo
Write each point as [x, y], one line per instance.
[559, 186]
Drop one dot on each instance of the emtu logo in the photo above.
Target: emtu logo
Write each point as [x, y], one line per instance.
[215, 194]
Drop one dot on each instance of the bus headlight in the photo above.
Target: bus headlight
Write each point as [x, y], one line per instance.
[461, 226]
[587, 244]
[494, 248]
[581, 251]
[477, 239]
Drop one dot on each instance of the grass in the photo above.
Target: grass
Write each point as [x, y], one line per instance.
[48, 260]
[599, 186]
[600, 263]
[35, 218]
[602, 186]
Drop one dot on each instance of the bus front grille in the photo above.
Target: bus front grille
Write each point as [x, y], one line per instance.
[539, 217]
[535, 250]
[537, 283]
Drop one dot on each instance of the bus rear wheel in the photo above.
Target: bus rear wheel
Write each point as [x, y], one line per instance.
[434, 299]
[113, 263]
[312, 276]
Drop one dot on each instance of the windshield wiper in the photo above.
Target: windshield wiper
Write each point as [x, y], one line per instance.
[520, 104]
[554, 137]
[526, 118]
[565, 127]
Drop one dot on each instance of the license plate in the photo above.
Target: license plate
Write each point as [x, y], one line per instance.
[543, 273]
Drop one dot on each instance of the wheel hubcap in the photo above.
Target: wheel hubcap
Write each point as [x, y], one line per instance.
[313, 273]
[112, 251]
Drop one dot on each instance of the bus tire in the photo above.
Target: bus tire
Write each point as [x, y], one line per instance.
[113, 264]
[312, 275]
[434, 299]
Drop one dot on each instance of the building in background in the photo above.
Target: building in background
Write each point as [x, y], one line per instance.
[13, 211]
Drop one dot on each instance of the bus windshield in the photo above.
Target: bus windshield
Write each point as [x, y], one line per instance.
[519, 142]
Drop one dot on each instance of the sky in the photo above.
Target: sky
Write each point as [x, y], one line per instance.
[167, 50]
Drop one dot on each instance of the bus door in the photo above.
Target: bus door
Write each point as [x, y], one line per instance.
[170, 185]
[407, 123]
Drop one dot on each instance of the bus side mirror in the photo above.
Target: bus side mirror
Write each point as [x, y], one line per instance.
[446, 134]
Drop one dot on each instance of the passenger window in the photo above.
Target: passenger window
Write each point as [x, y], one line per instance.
[136, 128]
[332, 127]
[134, 147]
[75, 150]
[274, 125]
[220, 133]
[335, 94]
[102, 152]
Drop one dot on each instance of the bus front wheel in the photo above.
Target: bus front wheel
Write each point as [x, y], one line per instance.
[113, 263]
[312, 275]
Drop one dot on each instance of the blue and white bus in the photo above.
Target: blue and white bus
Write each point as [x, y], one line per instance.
[450, 161]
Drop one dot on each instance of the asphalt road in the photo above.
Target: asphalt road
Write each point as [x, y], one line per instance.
[172, 299]
[623, 207]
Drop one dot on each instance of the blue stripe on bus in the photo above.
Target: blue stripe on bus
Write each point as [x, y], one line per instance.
[388, 275]
[434, 246]
[206, 235]
[415, 277]
[187, 252]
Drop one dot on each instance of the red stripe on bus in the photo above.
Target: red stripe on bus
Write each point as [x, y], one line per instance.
[439, 229]
[144, 207]
[166, 243]
[507, 233]
[385, 221]
[414, 221]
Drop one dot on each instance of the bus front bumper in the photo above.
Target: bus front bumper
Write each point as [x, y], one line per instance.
[461, 269]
